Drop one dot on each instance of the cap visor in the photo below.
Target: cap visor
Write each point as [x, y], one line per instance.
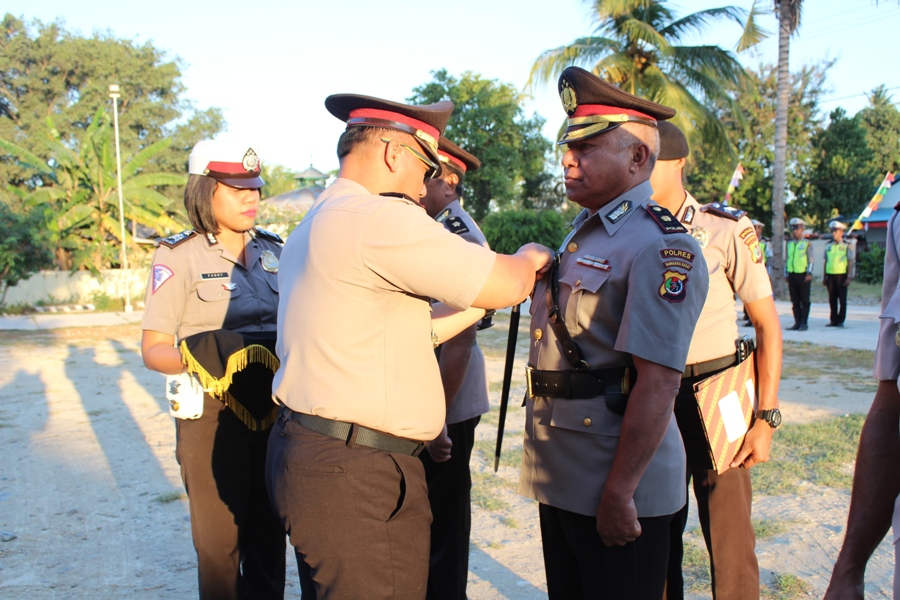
[242, 183]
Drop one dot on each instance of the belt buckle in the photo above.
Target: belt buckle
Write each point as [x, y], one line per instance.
[528, 370]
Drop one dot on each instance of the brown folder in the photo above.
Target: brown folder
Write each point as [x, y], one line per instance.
[727, 402]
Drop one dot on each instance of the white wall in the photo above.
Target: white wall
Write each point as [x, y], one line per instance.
[78, 287]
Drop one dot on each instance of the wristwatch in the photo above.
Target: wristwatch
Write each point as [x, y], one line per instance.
[771, 416]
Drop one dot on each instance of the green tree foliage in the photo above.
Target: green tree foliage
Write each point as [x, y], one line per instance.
[507, 230]
[78, 196]
[23, 250]
[488, 122]
[48, 71]
[870, 267]
[709, 171]
[278, 180]
[881, 120]
[637, 45]
[842, 179]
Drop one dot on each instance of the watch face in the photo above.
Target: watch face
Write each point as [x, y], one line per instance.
[775, 419]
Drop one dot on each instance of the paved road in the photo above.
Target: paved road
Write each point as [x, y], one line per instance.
[860, 331]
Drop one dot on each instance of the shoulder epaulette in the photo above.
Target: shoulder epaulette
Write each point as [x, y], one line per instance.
[897, 206]
[666, 220]
[178, 238]
[720, 210]
[269, 235]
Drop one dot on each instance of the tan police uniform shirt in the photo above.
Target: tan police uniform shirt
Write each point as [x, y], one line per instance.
[736, 265]
[472, 399]
[198, 285]
[354, 323]
[626, 289]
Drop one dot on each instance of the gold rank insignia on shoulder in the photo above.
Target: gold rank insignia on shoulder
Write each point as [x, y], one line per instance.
[688, 215]
[269, 261]
[666, 220]
[443, 216]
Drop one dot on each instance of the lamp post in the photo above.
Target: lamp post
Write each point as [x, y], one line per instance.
[114, 94]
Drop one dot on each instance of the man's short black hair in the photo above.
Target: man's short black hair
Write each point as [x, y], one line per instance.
[354, 136]
[198, 195]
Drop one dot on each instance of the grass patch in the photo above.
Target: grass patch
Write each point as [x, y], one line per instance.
[509, 522]
[766, 528]
[511, 456]
[817, 452]
[486, 492]
[695, 568]
[786, 587]
[835, 361]
[169, 497]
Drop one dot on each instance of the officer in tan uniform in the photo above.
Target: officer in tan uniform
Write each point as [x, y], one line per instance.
[876, 480]
[464, 378]
[602, 451]
[222, 274]
[359, 383]
[736, 265]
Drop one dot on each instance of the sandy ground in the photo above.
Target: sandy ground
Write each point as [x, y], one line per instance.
[91, 490]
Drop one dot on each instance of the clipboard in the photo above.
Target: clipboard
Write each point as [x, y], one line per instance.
[727, 402]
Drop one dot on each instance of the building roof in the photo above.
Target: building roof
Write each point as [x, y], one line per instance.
[311, 173]
[300, 199]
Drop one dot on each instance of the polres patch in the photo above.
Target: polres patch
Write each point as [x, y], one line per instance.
[674, 286]
[161, 274]
[752, 242]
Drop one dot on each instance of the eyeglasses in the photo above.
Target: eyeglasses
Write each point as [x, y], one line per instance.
[799, 227]
[433, 168]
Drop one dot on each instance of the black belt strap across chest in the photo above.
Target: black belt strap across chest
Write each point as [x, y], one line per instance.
[356, 434]
[570, 349]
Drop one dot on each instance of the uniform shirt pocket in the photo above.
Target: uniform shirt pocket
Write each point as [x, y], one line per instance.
[585, 279]
[587, 416]
[214, 291]
[272, 280]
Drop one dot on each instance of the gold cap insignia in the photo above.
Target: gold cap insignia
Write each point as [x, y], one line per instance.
[568, 97]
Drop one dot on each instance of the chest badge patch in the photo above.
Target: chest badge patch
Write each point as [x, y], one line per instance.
[594, 261]
[213, 275]
[161, 274]
[269, 261]
[674, 287]
[619, 211]
[701, 234]
[688, 215]
[229, 286]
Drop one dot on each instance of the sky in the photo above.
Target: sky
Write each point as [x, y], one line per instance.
[270, 65]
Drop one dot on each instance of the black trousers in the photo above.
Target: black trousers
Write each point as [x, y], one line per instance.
[580, 566]
[837, 297]
[239, 540]
[450, 496]
[723, 505]
[358, 516]
[799, 290]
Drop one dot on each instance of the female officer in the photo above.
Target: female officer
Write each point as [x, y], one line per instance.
[221, 276]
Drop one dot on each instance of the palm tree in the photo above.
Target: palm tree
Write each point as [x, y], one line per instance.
[636, 45]
[77, 190]
[788, 12]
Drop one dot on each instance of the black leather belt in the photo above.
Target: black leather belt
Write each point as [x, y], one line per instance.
[580, 384]
[745, 347]
[356, 434]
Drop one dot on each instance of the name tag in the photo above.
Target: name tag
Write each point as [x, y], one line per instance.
[214, 276]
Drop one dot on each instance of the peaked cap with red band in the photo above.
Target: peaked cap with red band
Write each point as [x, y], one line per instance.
[595, 106]
[235, 164]
[457, 158]
[425, 122]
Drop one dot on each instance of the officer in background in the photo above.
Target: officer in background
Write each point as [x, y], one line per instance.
[767, 253]
[464, 378]
[798, 272]
[602, 452]
[359, 386]
[736, 266]
[876, 480]
[839, 263]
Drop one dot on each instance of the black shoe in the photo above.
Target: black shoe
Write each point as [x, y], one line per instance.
[794, 327]
[803, 327]
[832, 325]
